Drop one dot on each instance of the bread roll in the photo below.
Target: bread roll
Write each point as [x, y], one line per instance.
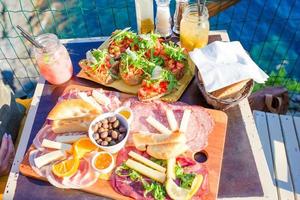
[73, 108]
[231, 91]
[80, 124]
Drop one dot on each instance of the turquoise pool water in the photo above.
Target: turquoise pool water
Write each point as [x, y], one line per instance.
[268, 29]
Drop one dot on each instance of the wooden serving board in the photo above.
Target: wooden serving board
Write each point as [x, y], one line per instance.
[214, 152]
[123, 87]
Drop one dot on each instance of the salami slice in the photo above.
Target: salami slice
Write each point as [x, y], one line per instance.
[55, 181]
[200, 122]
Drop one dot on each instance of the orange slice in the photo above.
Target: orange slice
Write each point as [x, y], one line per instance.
[83, 146]
[66, 168]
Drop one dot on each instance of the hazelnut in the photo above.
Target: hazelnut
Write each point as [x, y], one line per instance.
[104, 134]
[114, 135]
[105, 126]
[104, 143]
[116, 124]
[104, 121]
[108, 139]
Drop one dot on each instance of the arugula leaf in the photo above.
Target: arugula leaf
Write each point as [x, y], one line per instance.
[160, 162]
[186, 179]
[157, 190]
[120, 35]
[175, 52]
[148, 41]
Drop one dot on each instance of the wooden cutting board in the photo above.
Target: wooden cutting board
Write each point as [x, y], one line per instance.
[214, 152]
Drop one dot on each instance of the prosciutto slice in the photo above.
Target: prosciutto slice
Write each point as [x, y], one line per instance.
[84, 177]
[200, 122]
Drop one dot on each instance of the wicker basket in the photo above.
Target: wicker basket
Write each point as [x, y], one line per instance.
[223, 104]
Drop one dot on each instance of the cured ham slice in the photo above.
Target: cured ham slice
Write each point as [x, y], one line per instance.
[55, 181]
[199, 126]
[84, 177]
[46, 133]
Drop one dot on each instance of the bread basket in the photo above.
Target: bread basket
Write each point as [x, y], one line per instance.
[223, 104]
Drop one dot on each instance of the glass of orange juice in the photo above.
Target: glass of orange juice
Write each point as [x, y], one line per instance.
[53, 60]
[194, 29]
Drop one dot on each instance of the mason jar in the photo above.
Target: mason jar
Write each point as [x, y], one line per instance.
[53, 60]
[194, 29]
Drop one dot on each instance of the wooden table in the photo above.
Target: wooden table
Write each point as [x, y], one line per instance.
[244, 166]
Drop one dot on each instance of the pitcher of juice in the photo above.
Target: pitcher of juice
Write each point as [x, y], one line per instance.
[53, 60]
[194, 29]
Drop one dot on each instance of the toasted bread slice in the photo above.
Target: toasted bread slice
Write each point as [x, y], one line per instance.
[141, 140]
[167, 151]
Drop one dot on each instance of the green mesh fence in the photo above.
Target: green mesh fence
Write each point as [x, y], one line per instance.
[269, 31]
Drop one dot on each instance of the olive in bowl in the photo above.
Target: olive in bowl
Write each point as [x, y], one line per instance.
[109, 131]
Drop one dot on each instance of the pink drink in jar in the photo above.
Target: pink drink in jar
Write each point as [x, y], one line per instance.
[53, 61]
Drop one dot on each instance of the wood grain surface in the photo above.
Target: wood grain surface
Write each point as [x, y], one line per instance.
[214, 151]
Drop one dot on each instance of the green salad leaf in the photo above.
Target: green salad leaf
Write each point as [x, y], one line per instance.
[156, 189]
[175, 52]
[186, 179]
[120, 35]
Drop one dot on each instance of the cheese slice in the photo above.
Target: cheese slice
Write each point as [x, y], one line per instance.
[146, 171]
[101, 98]
[172, 120]
[56, 145]
[158, 126]
[70, 139]
[49, 157]
[90, 100]
[185, 121]
[146, 161]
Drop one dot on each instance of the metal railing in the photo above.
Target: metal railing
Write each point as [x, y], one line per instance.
[269, 31]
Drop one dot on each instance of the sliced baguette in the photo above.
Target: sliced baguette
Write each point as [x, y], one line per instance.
[231, 91]
[141, 140]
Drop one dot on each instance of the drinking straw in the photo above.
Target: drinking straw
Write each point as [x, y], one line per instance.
[199, 8]
[27, 36]
[203, 5]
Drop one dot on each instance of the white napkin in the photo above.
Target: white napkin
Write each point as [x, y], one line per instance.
[225, 63]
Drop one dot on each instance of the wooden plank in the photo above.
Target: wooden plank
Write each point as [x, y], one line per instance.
[281, 166]
[293, 153]
[260, 146]
[297, 127]
[14, 173]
